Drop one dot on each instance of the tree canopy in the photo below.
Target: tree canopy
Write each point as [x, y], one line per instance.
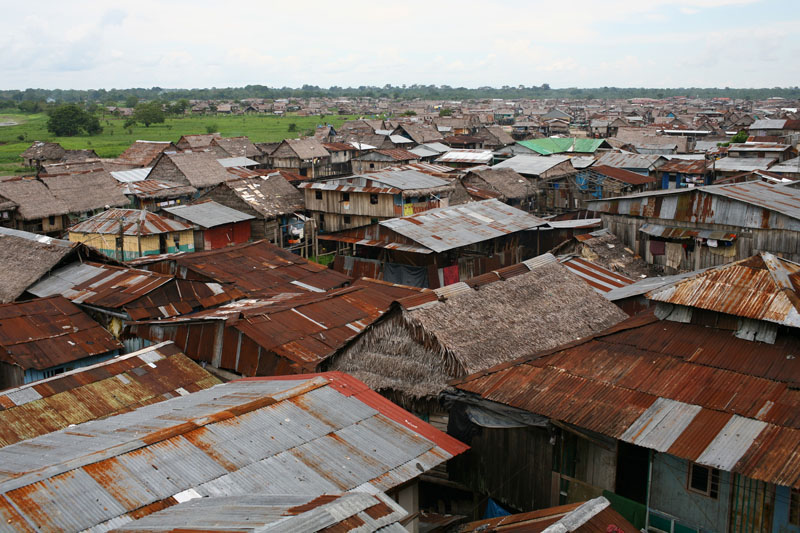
[149, 113]
[70, 119]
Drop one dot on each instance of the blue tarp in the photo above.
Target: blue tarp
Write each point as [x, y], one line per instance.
[493, 510]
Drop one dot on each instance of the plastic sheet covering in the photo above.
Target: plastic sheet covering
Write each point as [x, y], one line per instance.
[405, 275]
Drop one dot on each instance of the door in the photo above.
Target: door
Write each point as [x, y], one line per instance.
[633, 467]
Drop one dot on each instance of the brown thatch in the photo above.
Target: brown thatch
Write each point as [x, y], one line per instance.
[26, 259]
[237, 147]
[74, 156]
[86, 191]
[43, 151]
[196, 142]
[71, 166]
[306, 148]
[145, 153]
[507, 182]
[269, 195]
[201, 169]
[413, 352]
[34, 199]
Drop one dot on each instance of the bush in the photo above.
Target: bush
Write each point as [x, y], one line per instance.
[211, 128]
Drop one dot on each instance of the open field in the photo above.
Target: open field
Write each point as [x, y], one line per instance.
[115, 138]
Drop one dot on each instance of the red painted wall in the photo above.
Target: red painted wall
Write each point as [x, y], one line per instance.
[226, 235]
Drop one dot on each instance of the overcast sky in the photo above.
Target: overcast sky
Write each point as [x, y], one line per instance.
[566, 43]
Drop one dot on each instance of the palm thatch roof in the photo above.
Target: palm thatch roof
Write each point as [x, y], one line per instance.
[43, 151]
[26, 257]
[145, 153]
[201, 169]
[238, 147]
[471, 326]
[506, 181]
[270, 195]
[86, 191]
[34, 199]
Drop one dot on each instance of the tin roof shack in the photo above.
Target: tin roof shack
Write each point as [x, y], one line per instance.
[271, 199]
[551, 146]
[440, 246]
[267, 513]
[692, 415]
[411, 353]
[125, 234]
[341, 157]
[215, 225]
[693, 228]
[144, 154]
[593, 516]
[511, 187]
[310, 435]
[465, 158]
[730, 166]
[645, 164]
[201, 170]
[307, 157]
[571, 192]
[288, 333]
[677, 173]
[47, 336]
[788, 169]
[256, 268]
[153, 195]
[762, 150]
[93, 392]
[355, 201]
[380, 159]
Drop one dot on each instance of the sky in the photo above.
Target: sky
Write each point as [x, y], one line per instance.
[467, 43]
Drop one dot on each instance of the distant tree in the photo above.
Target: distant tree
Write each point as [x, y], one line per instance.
[149, 113]
[410, 113]
[211, 128]
[131, 101]
[740, 137]
[30, 106]
[179, 107]
[446, 112]
[69, 119]
[292, 126]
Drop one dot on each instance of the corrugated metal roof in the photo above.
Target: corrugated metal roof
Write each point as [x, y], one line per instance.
[532, 164]
[208, 214]
[129, 222]
[355, 511]
[390, 180]
[117, 385]
[601, 279]
[742, 164]
[46, 332]
[692, 391]
[626, 160]
[306, 435]
[466, 156]
[446, 228]
[98, 284]
[128, 176]
[762, 287]
[549, 146]
[229, 162]
[672, 232]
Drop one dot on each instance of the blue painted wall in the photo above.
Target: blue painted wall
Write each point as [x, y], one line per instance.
[780, 520]
[697, 512]
[34, 375]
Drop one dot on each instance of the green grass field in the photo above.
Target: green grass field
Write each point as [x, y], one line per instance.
[115, 138]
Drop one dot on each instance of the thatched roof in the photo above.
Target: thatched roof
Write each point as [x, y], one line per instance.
[86, 191]
[34, 199]
[416, 348]
[26, 260]
[270, 195]
[238, 147]
[43, 151]
[201, 169]
[605, 249]
[74, 156]
[144, 153]
[512, 185]
[307, 148]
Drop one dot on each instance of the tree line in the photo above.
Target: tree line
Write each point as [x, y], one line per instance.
[19, 99]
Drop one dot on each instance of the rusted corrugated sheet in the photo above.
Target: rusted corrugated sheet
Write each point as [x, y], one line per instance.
[180, 296]
[693, 391]
[129, 222]
[47, 332]
[762, 287]
[115, 386]
[601, 279]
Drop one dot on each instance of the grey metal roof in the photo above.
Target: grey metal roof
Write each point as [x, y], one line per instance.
[270, 436]
[423, 151]
[128, 176]
[466, 156]
[768, 124]
[788, 166]
[625, 160]
[208, 214]
[446, 228]
[398, 179]
[228, 162]
[742, 164]
[276, 513]
[532, 164]
[646, 285]
[43, 239]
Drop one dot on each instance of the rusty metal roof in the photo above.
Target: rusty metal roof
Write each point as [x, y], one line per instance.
[99, 284]
[129, 222]
[693, 391]
[265, 513]
[309, 435]
[762, 287]
[48, 332]
[151, 375]
[601, 279]
[258, 268]
[684, 166]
